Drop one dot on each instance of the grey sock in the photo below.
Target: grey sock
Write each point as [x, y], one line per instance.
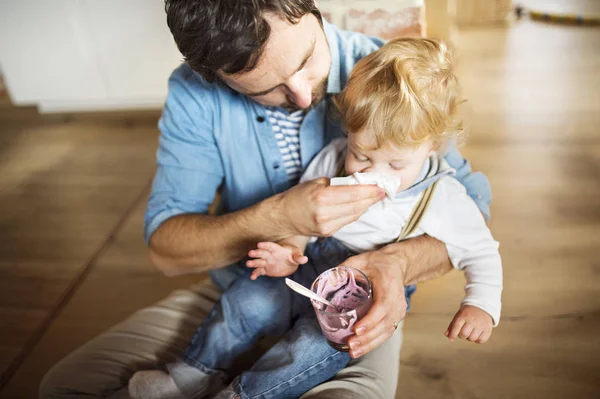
[153, 384]
[227, 393]
[193, 382]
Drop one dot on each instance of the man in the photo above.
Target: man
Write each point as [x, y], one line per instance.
[244, 116]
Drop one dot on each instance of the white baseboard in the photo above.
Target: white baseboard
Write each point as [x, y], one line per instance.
[49, 107]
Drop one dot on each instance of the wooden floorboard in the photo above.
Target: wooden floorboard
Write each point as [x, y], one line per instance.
[66, 182]
[533, 113]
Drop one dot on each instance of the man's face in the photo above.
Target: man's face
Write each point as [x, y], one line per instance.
[293, 68]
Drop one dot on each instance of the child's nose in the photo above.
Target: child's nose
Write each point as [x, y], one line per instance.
[374, 169]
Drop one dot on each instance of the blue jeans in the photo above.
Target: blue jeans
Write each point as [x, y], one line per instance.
[249, 310]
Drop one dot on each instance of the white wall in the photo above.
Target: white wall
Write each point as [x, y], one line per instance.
[86, 54]
[69, 55]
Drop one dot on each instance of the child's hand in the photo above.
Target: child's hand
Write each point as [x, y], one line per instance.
[275, 260]
[470, 323]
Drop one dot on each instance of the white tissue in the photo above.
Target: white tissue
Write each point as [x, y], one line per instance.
[389, 184]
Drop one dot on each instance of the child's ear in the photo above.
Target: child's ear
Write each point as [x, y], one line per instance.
[434, 146]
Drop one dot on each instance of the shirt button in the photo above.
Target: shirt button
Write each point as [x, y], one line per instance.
[260, 119]
[479, 197]
[275, 165]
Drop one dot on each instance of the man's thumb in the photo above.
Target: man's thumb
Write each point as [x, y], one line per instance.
[356, 261]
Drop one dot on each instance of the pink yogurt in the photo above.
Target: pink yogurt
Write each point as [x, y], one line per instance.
[351, 293]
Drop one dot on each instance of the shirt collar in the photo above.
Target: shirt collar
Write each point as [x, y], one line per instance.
[434, 168]
[333, 84]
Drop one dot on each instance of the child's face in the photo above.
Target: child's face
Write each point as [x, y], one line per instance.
[389, 159]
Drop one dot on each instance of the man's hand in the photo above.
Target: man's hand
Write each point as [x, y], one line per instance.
[472, 324]
[390, 269]
[314, 208]
[386, 273]
[275, 260]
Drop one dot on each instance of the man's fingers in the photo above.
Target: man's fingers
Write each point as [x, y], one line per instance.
[334, 213]
[333, 226]
[375, 315]
[384, 327]
[355, 209]
[357, 261]
[382, 307]
[367, 346]
[335, 195]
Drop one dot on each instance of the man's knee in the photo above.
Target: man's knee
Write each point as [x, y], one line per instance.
[52, 387]
[373, 376]
[76, 378]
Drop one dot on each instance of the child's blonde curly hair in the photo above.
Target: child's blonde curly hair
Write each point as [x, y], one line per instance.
[405, 92]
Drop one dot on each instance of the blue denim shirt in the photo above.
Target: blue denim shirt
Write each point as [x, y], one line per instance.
[213, 138]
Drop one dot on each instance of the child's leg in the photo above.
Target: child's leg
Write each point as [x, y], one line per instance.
[297, 363]
[247, 311]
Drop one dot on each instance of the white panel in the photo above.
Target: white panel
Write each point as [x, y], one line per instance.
[388, 5]
[44, 54]
[133, 46]
[48, 107]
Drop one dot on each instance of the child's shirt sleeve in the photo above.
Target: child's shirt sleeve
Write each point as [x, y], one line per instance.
[454, 218]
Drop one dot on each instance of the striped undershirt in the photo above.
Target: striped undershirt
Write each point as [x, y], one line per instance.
[286, 127]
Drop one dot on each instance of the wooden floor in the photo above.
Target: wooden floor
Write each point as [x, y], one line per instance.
[73, 190]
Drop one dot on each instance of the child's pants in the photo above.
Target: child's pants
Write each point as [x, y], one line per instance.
[249, 310]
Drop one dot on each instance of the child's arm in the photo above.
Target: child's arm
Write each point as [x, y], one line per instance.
[471, 247]
[478, 256]
[278, 259]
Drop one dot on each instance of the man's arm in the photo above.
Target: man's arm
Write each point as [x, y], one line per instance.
[420, 259]
[190, 243]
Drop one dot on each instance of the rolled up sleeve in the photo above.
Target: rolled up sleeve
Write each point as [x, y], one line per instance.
[189, 167]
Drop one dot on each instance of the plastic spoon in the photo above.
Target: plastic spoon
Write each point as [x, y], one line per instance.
[302, 290]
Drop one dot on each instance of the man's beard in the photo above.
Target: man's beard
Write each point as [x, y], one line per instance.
[317, 95]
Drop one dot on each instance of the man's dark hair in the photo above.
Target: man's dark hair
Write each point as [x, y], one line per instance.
[228, 35]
